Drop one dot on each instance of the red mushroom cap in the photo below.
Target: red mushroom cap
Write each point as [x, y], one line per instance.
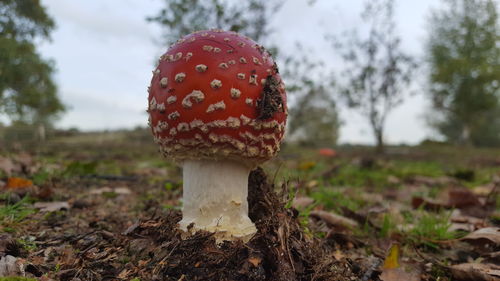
[217, 94]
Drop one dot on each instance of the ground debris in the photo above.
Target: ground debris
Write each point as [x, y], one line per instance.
[279, 251]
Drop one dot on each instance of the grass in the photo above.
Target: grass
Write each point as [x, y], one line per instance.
[430, 228]
[14, 213]
[334, 199]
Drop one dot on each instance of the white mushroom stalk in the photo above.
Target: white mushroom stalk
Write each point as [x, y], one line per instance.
[215, 199]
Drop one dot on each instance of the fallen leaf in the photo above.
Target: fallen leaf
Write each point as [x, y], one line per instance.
[483, 190]
[16, 183]
[461, 198]
[255, 261]
[484, 237]
[428, 204]
[392, 259]
[392, 270]
[334, 219]
[302, 202]
[25, 160]
[476, 272]
[8, 166]
[492, 257]
[51, 206]
[461, 221]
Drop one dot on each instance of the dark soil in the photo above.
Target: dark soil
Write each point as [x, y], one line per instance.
[279, 251]
[271, 100]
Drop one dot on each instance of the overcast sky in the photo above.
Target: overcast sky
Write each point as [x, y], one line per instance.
[104, 52]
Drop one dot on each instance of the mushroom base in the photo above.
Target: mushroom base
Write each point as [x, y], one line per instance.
[215, 199]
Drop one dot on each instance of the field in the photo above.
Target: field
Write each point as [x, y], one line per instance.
[103, 206]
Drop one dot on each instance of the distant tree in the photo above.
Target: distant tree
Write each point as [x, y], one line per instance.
[377, 72]
[251, 17]
[463, 51]
[27, 92]
[313, 117]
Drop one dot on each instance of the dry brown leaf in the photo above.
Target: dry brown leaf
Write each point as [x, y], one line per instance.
[476, 272]
[24, 159]
[487, 235]
[8, 166]
[51, 206]
[429, 204]
[484, 190]
[302, 202]
[461, 198]
[334, 219]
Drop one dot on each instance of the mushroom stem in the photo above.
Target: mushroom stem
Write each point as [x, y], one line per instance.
[215, 199]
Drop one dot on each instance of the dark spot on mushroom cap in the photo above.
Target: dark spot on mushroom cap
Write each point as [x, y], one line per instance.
[270, 100]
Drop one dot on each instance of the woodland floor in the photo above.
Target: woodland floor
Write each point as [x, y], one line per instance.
[104, 207]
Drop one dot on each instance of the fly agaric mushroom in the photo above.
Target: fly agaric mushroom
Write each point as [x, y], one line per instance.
[217, 106]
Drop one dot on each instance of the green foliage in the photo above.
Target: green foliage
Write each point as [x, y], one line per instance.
[181, 17]
[80, 169]
[388, 226]
[334, 199]
[430, 228]
[41, 176]
[463, 50]
[16, 212]
[27, 92]
[313, 116]
[377, 71]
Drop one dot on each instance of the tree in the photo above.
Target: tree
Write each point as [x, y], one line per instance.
[251, 18]
[313, 116]
[463, 51]
[27, 92]
[377, 72]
